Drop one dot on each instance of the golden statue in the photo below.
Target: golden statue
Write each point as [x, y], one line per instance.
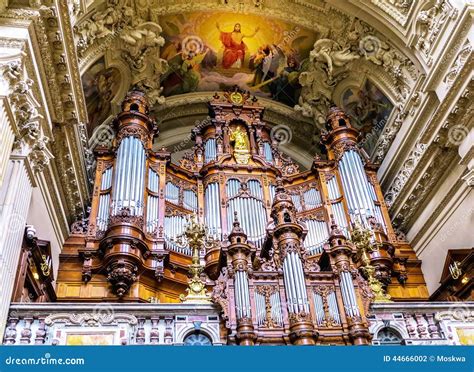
[195, 236]
[362, 239]
[241, 145]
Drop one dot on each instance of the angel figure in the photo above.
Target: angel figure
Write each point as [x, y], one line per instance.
[332, 54]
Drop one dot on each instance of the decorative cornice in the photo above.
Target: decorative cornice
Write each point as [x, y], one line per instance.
[399, 10]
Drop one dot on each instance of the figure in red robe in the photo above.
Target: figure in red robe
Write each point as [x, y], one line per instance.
[234, 47]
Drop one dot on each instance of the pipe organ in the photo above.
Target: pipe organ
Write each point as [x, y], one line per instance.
[282, 269]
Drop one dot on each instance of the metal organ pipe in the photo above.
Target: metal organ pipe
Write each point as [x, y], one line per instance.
[297, 202]
[350, 197]
[348, 294]
[333, 308]
[190, 200]
[118, 186]
[172, 193]
[212, 208]
[319, 307]
[364, 183]
[104, 200]
[378, 211]
[293, 282]
[140, 185]
[129, 176]
[357, 187]
[241, 285]
[312, 199]
[267, 151]
[210, 150]
[247, 293]
[340, 217]
[295, 286]
[238, 297]
[288, 278]
[260, 308]
[174, 226]
[251, 210]
[299, 270]
[152, 201]
[317, 236]
[272, 189]
[333, 189]
[276, 308]
[261, 311]
[134, 174]
[296, 279]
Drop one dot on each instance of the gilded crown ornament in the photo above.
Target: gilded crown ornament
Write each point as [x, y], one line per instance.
[366, 244]
[196, 237]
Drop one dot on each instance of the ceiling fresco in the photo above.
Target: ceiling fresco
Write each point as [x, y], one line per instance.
[100, 87]
[267, 56]
[369, 110]
[213, 51]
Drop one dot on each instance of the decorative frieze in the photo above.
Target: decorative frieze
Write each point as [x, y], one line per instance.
[156, 324]
[463, 56]
[404, 174]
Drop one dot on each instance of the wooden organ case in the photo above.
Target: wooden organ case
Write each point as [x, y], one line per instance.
[285, 270]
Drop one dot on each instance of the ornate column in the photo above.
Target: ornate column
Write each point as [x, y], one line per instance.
[287, 253]
[7, 138]
[341, 253]
[20, 158]
[239, 259]
[15, 196]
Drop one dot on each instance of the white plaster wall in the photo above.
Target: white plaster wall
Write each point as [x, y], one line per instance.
[456, 232]
[39, 218]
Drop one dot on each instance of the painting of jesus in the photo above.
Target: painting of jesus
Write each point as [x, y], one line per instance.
[234, 47]
[212, 51]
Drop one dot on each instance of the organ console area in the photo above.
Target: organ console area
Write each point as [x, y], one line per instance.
[283, 268]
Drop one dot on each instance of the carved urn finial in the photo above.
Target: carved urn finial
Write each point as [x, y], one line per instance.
[136, 100]
[338, 134]
[237, 235]
[336, 235]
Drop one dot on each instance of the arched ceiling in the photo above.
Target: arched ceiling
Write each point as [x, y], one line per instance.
[298, 56]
